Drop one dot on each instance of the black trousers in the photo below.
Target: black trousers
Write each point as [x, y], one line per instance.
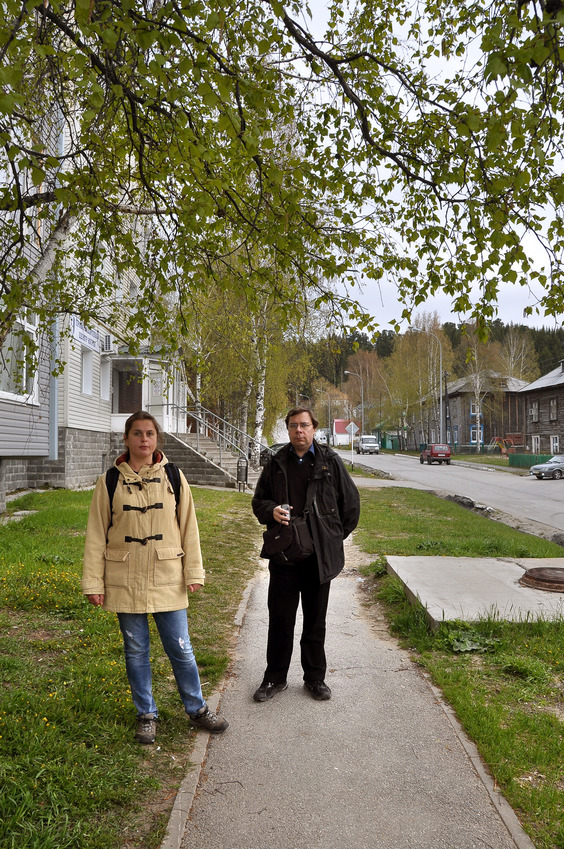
[287, 584]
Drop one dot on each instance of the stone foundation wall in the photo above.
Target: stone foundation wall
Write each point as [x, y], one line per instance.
[85, 455]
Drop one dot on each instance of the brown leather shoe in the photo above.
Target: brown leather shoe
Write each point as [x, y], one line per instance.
[146, 728]
[205, 718]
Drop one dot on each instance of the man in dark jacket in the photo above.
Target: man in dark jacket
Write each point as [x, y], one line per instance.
[311, 480]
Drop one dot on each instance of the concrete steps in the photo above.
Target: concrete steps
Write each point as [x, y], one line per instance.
[203, 463]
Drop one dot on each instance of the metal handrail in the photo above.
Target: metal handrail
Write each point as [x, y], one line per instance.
[206, 418]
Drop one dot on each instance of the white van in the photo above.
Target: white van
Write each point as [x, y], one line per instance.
[367, 445]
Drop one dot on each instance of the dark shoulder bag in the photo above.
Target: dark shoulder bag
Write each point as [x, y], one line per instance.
[290, 543]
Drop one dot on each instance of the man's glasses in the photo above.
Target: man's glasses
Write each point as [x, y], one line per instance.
[302, 425]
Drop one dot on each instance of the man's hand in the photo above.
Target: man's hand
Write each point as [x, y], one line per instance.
[280, 515]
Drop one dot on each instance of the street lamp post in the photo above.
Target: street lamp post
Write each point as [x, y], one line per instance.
[301, 395]
[329, 428]
[361, 397]
[430, 333]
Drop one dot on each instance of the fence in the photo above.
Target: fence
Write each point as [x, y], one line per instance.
[525, 461]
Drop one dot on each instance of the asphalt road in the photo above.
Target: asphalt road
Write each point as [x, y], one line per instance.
[519, 495]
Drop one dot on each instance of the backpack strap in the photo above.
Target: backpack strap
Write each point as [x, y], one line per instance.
[112, 476]
[173, 475]
[172, 472]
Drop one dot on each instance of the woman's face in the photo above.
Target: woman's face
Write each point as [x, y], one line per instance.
[141, 442]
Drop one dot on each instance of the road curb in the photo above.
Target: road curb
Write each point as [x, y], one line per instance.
[500, 803]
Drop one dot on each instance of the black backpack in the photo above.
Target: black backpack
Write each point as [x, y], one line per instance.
[173, 475]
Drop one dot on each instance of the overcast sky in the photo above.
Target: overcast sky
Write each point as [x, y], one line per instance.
[383, 304]
[382, 301]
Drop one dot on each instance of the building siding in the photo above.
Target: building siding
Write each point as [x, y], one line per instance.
[545, 427]
[24, 430]
[77, 409]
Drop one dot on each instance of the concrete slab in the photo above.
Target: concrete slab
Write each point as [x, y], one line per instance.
[474, 588]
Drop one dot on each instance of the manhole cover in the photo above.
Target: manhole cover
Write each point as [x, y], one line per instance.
[549, 578]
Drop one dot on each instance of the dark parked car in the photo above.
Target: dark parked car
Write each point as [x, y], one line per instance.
[553, 468]
[266, 452]
[435, 453]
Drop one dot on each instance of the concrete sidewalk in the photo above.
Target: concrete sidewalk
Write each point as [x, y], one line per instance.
[383, 764]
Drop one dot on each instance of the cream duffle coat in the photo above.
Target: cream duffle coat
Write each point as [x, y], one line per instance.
[147, 552]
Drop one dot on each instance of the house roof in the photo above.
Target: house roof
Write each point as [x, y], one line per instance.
[493, 381]
[340, 425]
[547, 381]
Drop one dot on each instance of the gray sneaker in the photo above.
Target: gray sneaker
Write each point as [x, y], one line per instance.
[208, 720]
[146, 728]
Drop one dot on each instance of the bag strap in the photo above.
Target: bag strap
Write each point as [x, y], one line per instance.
[112, 476]
[173, 475]
[172, 472]
[311, 490]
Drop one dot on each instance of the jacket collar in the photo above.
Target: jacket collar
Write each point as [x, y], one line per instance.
[322, 454]
[122, 463]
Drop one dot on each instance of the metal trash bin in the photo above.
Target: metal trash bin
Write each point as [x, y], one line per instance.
[242, 471]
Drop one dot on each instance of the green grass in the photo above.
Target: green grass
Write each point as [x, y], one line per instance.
[71, 774]
[412, 522]
[504, 680]
[497, 460]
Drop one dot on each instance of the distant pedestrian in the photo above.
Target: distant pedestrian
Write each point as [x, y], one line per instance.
[302, 481]
[142, 555]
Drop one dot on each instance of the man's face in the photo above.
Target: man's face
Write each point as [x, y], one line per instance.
[301, 432]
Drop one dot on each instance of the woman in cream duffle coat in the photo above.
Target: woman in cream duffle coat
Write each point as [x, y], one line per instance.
[142, 555]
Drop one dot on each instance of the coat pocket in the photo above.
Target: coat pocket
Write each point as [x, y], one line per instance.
[169, 571]
[116, 572]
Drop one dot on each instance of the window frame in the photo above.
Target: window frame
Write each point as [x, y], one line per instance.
[29, 324]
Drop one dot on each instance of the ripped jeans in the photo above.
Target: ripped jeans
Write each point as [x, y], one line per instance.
[173, 631]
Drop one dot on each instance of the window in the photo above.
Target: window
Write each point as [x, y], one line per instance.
[474, 409]
[18, 380]
[535, 411]
[553, 411]
[86, 371]
[554, 443]
[475, 433]
[536, 444]
[455, 434]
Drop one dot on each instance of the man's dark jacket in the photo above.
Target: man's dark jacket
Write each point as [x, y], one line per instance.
[335, 508]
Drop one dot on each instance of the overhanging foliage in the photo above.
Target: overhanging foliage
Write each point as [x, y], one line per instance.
[145, 144]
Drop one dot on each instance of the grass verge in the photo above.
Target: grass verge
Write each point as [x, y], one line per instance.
[504, 680]
[71, 774]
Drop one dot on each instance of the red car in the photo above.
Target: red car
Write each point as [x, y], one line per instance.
[435, 453]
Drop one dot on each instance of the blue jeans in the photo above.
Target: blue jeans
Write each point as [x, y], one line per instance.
[173, 631]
